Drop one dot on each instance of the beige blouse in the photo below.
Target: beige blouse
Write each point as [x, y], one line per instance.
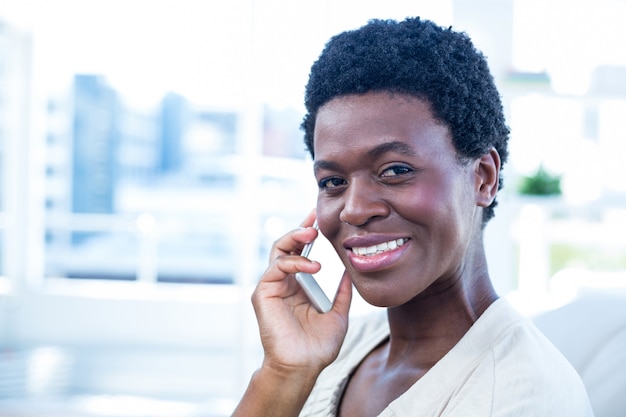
[503, 366]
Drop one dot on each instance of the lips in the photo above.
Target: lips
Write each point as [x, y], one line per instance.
[375, 252]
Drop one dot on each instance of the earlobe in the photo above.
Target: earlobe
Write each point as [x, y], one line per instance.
[487, 177]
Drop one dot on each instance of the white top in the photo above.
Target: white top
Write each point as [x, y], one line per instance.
[503, 366]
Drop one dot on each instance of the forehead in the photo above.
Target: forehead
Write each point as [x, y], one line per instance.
[361, 122]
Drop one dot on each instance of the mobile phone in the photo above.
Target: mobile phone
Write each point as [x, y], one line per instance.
[321, 289]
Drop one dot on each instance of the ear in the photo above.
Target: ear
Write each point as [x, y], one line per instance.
[487, 176]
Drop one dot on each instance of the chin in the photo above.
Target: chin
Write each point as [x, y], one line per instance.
[379, 300]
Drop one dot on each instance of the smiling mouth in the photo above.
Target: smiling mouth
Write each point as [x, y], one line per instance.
[380, 248]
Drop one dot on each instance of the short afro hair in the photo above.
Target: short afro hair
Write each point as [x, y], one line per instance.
[415, 57]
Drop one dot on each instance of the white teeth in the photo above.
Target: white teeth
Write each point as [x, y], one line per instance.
[380, 248]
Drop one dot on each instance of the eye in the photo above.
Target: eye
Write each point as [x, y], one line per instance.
[331, 183]
[395, 171]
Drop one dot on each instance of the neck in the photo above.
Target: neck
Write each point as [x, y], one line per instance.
[431, 324]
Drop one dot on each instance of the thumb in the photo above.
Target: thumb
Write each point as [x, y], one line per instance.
[344, 295]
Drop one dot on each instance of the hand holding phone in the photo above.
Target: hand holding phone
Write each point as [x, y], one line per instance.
[310, 286]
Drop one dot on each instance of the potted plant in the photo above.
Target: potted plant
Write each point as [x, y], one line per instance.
[541, 183]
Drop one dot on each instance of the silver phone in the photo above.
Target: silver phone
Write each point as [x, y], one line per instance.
[321, 288]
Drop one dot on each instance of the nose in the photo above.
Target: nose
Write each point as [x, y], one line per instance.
[362, 203]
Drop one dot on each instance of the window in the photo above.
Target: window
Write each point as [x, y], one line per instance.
[566, 105]
[141, 193]
[163, 137]
[14, 80]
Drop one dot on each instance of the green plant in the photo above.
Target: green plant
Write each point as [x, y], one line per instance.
[540, 183]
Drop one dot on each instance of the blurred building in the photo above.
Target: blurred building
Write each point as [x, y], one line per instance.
[178, 164]
[95, 140]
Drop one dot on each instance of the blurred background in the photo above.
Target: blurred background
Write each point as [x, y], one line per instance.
[150, 153]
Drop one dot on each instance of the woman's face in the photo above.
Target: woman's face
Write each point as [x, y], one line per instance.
[398, 206]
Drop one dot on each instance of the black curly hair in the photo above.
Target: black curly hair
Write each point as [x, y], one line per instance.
[421, 59]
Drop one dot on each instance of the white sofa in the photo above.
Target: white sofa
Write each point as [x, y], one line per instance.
[591, 332]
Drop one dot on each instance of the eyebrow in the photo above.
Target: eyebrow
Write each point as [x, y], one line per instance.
[394, 146]
[322, 164]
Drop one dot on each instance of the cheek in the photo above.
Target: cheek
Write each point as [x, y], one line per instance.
[328, 216]
[437, 209]
[330, 225]
[448, 209]
[421, 206]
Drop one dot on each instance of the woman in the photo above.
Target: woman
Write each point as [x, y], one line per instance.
[408, 138]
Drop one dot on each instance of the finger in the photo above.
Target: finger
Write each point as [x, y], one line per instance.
[292, 242]
[285, 265]
[309, 219]
[343, 299]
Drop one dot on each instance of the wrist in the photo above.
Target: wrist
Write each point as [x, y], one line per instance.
[275, 391]
[296, 376]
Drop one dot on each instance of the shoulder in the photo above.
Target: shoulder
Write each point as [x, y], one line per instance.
[530, 376]
[509, 368]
